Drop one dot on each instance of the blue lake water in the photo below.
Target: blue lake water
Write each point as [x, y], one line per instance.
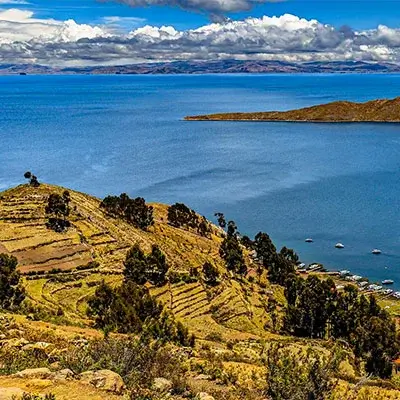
[112, 134]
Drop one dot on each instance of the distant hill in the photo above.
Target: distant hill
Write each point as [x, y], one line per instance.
[208, 67]
[339, 111]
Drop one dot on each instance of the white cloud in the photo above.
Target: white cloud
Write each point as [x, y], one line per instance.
[13, 2]
[23, 38]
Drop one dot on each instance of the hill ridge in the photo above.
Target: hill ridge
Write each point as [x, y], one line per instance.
[380, 110]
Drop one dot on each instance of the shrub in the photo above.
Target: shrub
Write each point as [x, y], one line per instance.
[11, 293]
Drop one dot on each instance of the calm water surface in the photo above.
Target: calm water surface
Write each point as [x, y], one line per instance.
[109, 134]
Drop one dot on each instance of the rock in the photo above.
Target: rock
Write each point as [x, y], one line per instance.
[11, 393]
[34, 373]
[39, 346]
[64, 374]
[162, 385]
[204, 396]
[13, 333]
[55, 366]
[203, 377]
[15, 342]
[104, 379]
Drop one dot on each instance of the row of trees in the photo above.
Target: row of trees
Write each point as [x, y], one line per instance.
[130, 308]
[181, 216]
[315, 309]
[134, 211]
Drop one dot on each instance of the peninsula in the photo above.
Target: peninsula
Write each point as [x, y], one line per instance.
[340, 111]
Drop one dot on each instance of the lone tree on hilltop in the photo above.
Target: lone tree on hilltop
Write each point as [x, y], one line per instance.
[33, 180]
[58, 210]
[11, 294]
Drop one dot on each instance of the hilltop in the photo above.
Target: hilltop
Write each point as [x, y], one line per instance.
[339, 111]
[236, 321]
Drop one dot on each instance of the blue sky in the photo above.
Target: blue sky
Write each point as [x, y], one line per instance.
[357, 14]
[109, 32]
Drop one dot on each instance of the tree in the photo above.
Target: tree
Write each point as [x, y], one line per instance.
[180, 215]
[141, 268]
[33, 180]
[289, 255]
[221, 219]
[58, 210]
[11, 293]
[135, 266]
[231, 251]
[130, 308]
[135, 211]
[266, 251]
[210, 273]
[279, 269]
[157, 266]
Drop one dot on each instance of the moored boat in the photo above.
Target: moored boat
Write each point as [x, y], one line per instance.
[387, 282]
[376, 251]
[339, 246]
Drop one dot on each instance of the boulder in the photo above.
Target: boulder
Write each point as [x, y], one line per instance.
[34, 373]
[11, 393]
[203, 377]
[162, 385]
[204, 396]
[104, 379]
[64, 374]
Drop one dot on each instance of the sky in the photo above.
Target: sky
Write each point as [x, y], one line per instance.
[108, 32]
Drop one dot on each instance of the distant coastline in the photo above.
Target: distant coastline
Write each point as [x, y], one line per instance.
[208, 67]
[375, 111]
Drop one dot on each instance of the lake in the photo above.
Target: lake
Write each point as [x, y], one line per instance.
[112, 134]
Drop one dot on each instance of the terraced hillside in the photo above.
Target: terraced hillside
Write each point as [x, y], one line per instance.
[231, 309]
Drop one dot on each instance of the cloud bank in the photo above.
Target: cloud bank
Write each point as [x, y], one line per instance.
[24, 39]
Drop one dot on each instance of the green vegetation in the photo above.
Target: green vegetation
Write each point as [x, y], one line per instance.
[307, 376]
[231, 251]
[134, 211]
[317, 310]
[33, 180]
[141, 268]
[181, 216]
[58, 210]
[11, 292]
[210, 274]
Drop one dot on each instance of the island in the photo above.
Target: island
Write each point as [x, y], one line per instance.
[383, 110]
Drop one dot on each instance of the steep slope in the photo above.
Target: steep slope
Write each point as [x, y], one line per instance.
[340, 111]
[231, 309]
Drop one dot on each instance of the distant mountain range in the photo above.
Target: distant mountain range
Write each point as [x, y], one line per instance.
[208, 67]
[338, 111]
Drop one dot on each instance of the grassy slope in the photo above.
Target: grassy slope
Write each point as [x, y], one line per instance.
[340, 111]
[234, 310]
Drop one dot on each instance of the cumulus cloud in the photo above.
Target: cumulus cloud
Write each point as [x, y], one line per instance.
[288, 38]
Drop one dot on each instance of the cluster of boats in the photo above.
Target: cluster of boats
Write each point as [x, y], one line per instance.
[365, 285]
[341, 246]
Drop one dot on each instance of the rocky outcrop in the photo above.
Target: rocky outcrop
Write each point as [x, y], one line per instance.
[35, 373]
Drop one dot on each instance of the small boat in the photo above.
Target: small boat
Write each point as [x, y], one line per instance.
[339, 246]
[387, 282]
[376, 251]
[309, 240]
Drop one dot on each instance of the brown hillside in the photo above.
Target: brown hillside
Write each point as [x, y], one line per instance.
[340, 111]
